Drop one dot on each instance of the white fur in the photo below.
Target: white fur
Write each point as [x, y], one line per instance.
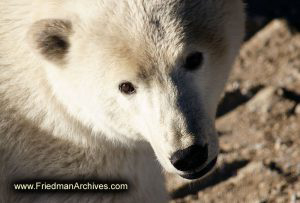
[71, 119]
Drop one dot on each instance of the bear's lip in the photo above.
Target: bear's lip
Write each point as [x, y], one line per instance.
[203, 171]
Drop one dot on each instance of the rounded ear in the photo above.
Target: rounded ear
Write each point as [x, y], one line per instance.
[50, 37]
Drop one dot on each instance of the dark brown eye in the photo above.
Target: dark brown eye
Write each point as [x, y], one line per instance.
[127, 88]
[194, 61]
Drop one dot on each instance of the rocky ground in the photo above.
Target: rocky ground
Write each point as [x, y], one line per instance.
[259, 125]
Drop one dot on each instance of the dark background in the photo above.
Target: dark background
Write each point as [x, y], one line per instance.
[260, 12]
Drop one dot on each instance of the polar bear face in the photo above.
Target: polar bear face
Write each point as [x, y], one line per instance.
[140, 70]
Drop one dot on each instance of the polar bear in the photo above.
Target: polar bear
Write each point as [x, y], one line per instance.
[112, 90]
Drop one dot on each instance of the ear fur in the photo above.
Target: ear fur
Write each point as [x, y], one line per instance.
[50, 37]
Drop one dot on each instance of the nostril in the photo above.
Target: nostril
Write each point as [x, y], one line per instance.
[190, 158]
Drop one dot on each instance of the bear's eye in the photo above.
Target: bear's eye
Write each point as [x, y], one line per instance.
[194, 61]
[127, 88]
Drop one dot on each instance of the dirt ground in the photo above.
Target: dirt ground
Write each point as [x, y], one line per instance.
[258, 120]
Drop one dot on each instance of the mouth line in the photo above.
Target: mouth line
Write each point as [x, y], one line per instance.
[198, 174]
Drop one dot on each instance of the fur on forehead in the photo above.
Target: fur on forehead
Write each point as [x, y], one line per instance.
[142, 30]
[137, 28]
[157, 28]
[158, 22]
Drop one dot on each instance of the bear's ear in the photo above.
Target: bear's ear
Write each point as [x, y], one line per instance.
[50, 38]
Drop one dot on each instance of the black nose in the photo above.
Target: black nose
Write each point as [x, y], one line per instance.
[190, 158]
